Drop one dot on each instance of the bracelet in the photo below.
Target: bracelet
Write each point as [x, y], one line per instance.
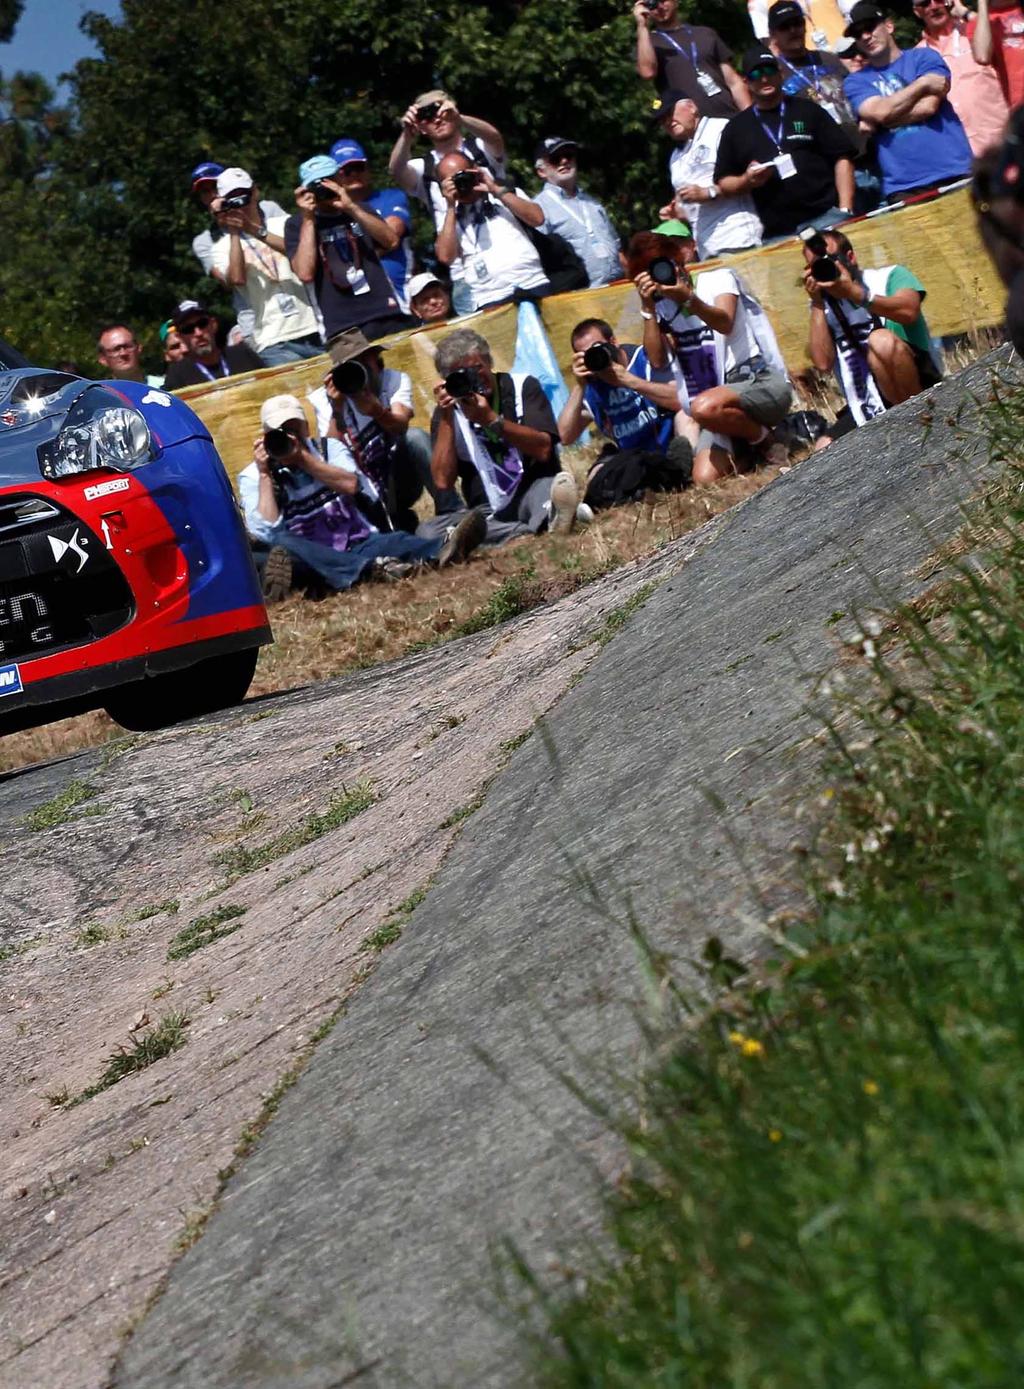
[261, 233]
[645, 314]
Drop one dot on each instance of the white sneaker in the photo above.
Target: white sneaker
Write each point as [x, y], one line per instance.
[565, 498]
[584, 514]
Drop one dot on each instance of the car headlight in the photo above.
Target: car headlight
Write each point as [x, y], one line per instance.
[100, 431]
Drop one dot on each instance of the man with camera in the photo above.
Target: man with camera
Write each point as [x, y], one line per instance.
[868, 327]
[335, 244]
[206, 360]
[356, 177]
[690, 59]
[250, 257]
[494, 437]
[484, 229]
[575, 215]
[368, 406]
[435, 117]
[309, 501]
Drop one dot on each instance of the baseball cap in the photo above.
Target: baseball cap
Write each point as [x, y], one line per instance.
[230, 179]
[548, 148]
[320, 166]
[344, 151]
[188, 308]
[785, 12]
[165, 328]
[757, 57]
[277, 410]
[674, 227]
[863, 13]
[844, 46]
[420, 282]
[664, 104]
[205, 173]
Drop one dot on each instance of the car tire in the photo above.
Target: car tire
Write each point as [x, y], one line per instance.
[203, 688]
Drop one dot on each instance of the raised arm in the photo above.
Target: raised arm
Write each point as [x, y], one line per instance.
[981, 40]
[303, 261]
[446, 247]
[398, 161]
[900, 108]
[646, 57]
[489, 134]
[737, 86]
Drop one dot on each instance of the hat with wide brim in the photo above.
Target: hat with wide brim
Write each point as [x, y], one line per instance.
[351, 343]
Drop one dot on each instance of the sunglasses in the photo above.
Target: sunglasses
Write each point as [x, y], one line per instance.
[863, 30]
[759, 74]
[118, 347]
[187, 329]
[354, 166]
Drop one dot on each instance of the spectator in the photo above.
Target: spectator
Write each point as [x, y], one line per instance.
[334, 243]
[729, 364]
[494, 436]
[249, 256]
[812, 73]
[720, 224]
[429, 299]
[436, 118]
[485, 228]
[849, 55]
[689, 59]
[576, 216]
[206, 360]
[919, 140]
[390, 203]
[975, 92]
[787, 153]
[118, 351]
[306, 505]
[204, 189]
[369, 410]
[174, 346]
[825, 17]
[1000, 34]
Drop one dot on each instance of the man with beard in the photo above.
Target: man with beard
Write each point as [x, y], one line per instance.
[575, 215]
[206, 360]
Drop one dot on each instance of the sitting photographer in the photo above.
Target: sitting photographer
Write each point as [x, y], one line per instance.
[867, 325]
[368, 407]
[729, 366]
[639, 409]
[484, 227]
[494, 436]
[309, 502]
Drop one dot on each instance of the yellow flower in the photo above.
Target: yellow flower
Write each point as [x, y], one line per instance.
[775, 1135]
[737, 1038]
[752, 1047]
[870, 1087]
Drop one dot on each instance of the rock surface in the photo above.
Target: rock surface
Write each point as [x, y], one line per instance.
[432, 1117]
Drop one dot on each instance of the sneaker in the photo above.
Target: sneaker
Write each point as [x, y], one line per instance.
[584, 514]
[389, 571]
[462, 539]
[565, 498]
[277, 575]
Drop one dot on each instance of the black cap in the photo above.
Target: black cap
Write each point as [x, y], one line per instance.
[664, 105]
[547, 149]
[187, 309]
[864, 12]
[785, 12]
[758, 57]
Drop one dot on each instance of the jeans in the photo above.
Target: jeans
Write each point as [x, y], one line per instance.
[279, 354]
[831, 218]
[462, 298]
[340, 569]
[527, 513]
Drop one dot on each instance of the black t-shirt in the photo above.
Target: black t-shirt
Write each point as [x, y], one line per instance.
[537, 414]
[690, 60]
[815, 142]
[818, 76]
[343, 247]
[186, 373]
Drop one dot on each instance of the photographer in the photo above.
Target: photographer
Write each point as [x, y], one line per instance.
[494, 436]
[368, 407]
[250, 257]
[304, 500]
[483, 228]
[203, 182]
[867, 325]
[334, 243]
[690, 59]
[728, 360]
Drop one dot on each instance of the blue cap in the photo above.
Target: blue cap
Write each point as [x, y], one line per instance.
[320, 166]
[202, 172]
[344, 151]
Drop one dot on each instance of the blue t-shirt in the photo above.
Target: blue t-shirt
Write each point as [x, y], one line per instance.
[913, 156]
[392, 202]
[633, 421]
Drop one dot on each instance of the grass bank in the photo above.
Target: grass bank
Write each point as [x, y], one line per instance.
[826, 1185]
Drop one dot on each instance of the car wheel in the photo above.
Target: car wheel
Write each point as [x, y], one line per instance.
[161, 700]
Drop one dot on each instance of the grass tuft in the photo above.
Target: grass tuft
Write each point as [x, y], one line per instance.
[350, 802]
[58, 810]
[389, 931]
[204, 930]
[140, 1052]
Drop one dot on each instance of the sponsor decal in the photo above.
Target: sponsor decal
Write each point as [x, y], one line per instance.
[10, 680]
[9, 417]
[156, 398]
[62, 548]
[104, 489]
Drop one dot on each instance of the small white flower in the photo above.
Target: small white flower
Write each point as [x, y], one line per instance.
[871, 843]
[870, 650]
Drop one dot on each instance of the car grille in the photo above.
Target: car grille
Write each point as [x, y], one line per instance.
[58, 585]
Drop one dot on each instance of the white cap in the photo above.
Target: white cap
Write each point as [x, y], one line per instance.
[231, 179]
[277, 410]
[418, 284]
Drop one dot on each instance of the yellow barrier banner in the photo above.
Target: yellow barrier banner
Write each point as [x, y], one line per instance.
[938, 240]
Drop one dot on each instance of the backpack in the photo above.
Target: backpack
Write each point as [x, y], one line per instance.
[559, 260]
[621, 476]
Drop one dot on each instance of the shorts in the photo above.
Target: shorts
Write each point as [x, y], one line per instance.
[766, 397]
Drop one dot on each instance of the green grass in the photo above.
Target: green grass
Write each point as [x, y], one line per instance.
[142, 1050]
[204, 930]
[345, 806]
[617, 619]
[463, 812]
[58, 810]
[826, 1185]
[508, 600]
[389, 931]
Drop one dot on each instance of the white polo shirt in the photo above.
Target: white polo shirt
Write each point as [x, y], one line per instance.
[497, 255]
[720, 224]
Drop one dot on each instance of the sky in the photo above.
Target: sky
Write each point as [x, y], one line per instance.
[48, 39]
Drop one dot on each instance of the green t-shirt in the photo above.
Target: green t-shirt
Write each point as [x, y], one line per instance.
[917, 334]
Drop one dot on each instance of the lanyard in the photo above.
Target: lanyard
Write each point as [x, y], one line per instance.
[357, 260]
[224, 371]
[694, 58]
[775, 139]
[583, 221]
[812, 81]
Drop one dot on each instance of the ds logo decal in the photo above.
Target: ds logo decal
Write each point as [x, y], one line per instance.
[10, 680]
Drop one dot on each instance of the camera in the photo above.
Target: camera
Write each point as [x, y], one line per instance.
[824, 267]
[463, 381]
[322, 193]
[350, 377]
[428, 112]
[650, 5]
[236, 200]
[278, 444]
[598, 357]
[663, 271]
[465, 180]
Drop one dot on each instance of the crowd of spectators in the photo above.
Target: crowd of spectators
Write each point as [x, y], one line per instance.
[795, 137]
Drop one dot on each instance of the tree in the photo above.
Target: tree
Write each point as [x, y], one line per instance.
[10, 13]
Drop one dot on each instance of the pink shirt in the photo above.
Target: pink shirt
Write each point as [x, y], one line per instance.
[975, 91]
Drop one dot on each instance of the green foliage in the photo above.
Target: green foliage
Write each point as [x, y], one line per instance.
[204, 930]
[10, 13]
[58, 810]
[141, 1051]
[345, 806]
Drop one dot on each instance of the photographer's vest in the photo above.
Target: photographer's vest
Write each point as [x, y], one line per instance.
[499, 466]
[850, 326]
[317, 513]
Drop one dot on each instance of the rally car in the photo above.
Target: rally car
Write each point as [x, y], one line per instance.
[126, 580]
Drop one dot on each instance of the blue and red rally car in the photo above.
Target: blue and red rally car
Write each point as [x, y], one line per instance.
[126, 581]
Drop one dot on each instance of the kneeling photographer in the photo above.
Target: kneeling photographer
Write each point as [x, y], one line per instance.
[305, 500]
[867, 326]
[617, 390]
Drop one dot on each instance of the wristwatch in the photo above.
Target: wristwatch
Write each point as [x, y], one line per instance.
[261, 233]
[713, 190]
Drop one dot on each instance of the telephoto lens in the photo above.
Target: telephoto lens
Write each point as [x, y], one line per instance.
[428, 112]
[598, 357]
[350, 377]
[278, 443]
[322, 194]
[461, 382]
[825, 269]
[465, 180]
[816, 244]
[663, 271]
